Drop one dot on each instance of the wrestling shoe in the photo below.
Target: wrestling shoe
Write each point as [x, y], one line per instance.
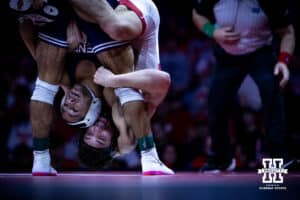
[151, 165]
[214, 167]
[41, 164]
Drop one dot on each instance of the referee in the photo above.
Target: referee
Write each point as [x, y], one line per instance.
[256, 38]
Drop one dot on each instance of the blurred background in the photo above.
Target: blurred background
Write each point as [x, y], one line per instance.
[180, 124]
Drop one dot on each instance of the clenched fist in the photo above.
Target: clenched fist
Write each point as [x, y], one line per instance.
[104, 77]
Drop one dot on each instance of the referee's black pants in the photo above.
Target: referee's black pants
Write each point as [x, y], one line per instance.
[227, 78]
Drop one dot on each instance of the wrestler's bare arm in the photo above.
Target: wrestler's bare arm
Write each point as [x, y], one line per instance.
[119, 24]
[29, 36]
[154, 83]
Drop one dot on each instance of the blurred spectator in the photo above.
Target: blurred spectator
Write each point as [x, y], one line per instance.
[250, 137]
[177, 64]
[249, 95]
[169, 156]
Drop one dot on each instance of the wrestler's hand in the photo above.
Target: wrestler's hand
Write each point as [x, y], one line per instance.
[281, 68]
[74, 36]
[226, 35]
[104, 77]
[37, 4]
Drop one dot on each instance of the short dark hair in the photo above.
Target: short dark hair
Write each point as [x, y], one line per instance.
[96, 158]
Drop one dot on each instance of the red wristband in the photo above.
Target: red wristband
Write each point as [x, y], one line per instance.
[284, 57]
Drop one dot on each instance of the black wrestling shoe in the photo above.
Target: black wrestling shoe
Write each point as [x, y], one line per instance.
[214, 167]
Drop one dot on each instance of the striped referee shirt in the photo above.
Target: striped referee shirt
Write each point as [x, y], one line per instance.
[247, 18]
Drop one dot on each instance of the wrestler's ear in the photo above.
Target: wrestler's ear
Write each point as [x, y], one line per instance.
[65, 88]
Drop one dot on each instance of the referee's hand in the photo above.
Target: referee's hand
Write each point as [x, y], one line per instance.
[281, 68]
[226, 35]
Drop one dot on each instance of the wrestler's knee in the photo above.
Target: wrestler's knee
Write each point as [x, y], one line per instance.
[44, 92]
[133, 104]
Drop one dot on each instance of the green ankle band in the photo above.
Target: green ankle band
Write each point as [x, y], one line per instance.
[146, 142]
[208, 29]
[40, 144]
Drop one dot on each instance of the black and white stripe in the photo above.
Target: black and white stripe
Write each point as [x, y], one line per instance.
[108, 45]
[49, 39]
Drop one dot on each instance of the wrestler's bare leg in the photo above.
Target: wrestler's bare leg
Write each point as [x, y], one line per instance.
[120, 60]
[50, 62]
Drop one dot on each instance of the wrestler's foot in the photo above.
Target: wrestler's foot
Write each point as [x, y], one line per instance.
[41, 164]
[151, 165]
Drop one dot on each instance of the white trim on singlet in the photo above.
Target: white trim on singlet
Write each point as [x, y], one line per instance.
[107, 45]
[95, 49]
[52, 40]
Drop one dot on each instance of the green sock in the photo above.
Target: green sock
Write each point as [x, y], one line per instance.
[209, 29]
[40, 144]
[146, 142]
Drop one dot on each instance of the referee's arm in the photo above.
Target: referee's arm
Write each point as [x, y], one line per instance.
[287, 35]
[220, 34]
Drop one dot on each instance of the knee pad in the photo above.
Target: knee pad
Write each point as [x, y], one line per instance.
[44, 92]
[126, 95]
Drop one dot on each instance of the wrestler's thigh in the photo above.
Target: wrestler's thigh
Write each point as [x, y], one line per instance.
[50, 62]
[119, 59]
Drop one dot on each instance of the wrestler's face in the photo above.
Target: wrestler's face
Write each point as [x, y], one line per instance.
[99, 135]
[76, 104]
